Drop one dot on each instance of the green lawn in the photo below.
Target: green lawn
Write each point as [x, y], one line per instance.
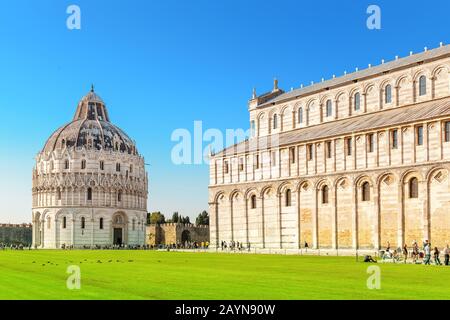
[177, 275]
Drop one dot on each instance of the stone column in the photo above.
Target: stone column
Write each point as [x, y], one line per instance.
[278, 196]
[401, 220]
[73, 229]
[43, 225]
[92, 231]
[214, 233]
[334, 231]
[315, 219]
[56, 233]
[231, 219]
[246, 220]
[261, 214]
[426, 210]
[355, 216]
[441, 126]
[376, 201]
[299, 240]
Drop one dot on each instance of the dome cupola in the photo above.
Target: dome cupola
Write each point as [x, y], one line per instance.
[91, 129]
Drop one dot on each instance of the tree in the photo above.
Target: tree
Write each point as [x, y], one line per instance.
[175, 217]
[155, 218]
[184, 220]
[202, 219]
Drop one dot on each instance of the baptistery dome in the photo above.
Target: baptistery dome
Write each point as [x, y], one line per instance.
[89, 184]
[91, 129]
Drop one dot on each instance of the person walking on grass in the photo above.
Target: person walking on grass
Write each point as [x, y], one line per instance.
[427, 250]
[437, 261]
[415, 252]
[446, 255]
[405, 253]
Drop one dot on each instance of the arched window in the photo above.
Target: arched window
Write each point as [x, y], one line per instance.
[388, 94]
[66, 164]
[52, 165]
[357, 102]
[413, 188]
[118, 167]
[252, 128]
[300, 115]
[89, 194]
[83, 222]
[49, 223]
[288, 198]
[58, 194]
[83, 164]
[131, 168]
[102, 165]
[325, 194]
[133, 223]
[253, 202]
[275, 121]
[329, 108]
[101, 224]
[422, 86]
[119, 196]
[365, 190]
[64, 224]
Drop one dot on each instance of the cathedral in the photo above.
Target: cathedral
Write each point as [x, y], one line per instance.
[89, 184]
[350, 164]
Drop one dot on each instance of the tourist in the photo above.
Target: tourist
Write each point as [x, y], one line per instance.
[395, 256]
[369, 259]
[405, 252]
[446, 255]
[437, 261]
[427, 250]
[415, 252]
[388, 246]
[306, 245]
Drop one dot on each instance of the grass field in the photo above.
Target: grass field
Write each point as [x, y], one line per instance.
[179, 275]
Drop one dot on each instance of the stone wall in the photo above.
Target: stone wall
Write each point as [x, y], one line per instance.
[16, 234]
[175, 233]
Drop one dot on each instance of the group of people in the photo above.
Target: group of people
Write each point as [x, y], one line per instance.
[234, 245]
[20, 246]
[184, 245]
[417, 256]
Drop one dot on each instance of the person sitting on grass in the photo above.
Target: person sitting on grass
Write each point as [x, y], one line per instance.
[387, 255]
[437, 261]
[395, 256]
[369, 259]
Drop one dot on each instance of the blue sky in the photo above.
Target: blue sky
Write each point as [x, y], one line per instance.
[161, 65]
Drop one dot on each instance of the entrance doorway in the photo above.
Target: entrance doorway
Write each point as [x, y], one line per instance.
[185, 236]
[118, 236]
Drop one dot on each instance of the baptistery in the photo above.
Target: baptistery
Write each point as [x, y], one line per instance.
[89, 184]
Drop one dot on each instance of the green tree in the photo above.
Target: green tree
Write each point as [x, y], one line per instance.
[202, 219]
[185, 220]
[175, 217]
[155, 218]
